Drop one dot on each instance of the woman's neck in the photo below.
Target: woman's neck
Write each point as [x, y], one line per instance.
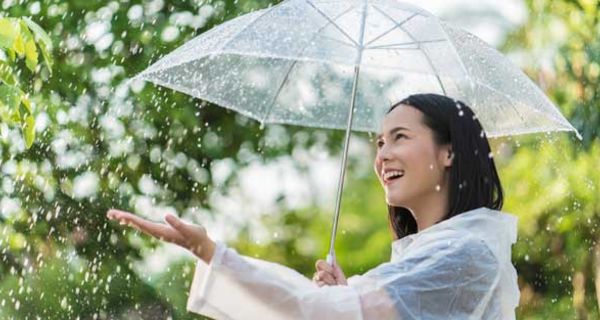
[431, 209]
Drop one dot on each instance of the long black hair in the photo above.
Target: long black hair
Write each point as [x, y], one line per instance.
[474, 181]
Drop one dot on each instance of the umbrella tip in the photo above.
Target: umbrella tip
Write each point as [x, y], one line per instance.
[578, 135]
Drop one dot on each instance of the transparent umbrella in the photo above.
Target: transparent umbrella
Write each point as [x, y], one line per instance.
[340, 65]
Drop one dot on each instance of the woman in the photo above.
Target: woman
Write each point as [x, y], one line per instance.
[451, 250]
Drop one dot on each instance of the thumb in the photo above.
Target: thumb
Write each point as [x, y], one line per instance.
[178, 224]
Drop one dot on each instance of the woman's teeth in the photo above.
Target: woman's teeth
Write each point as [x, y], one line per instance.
[392, 174]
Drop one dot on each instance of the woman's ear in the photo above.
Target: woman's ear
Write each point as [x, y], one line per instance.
[448, 155]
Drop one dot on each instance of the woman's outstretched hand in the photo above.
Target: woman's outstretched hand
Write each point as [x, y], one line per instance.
[190, 236]
[328, 275]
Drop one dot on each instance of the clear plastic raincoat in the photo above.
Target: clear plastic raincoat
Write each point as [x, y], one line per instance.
[459, 268]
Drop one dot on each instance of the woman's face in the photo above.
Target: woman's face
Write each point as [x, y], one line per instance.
[409, 164]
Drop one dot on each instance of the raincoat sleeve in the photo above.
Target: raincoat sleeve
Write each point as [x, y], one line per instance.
[448, 279]
[233, 286]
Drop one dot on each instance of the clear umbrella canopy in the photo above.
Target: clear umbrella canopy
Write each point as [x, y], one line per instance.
[295, 63]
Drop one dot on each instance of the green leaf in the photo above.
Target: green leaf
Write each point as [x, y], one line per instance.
[11, 54]
[31, 55]
[47, 57]
[29, 130]
[27, 35]
[6, 74]
[44, 41]
[15, 116]
[10, 96]
[5, 116]
[27, 104]
[19, 45]
[8, 33]
[39, 33]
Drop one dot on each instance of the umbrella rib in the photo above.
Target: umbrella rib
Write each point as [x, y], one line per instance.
[435, 72]
[391, 46]
[505, 96]
[460, 61]
[327, 24]
[333, 23]
[338, 41]
[392, 29]
[296, 61]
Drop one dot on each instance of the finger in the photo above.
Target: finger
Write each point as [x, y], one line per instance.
[323, 265]
[117, 214]
[157, 230]
[316, 278]
[337, 271]
[124, 216]
[326, 277]
[194, 235]
[339, 274]
[178, 224]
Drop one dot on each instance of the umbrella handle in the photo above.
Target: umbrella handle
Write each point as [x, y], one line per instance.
[330, 258]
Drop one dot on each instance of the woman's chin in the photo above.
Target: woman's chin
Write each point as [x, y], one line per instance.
[394, 202]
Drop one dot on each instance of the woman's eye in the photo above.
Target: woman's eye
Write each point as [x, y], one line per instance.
[400, 135]
[379, 144]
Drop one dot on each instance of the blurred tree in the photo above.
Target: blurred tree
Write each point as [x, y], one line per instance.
[560, 48]
[558, 249]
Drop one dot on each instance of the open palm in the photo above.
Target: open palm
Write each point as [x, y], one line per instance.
[190, 236]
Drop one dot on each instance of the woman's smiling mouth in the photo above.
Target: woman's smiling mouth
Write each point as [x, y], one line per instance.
[390, 175]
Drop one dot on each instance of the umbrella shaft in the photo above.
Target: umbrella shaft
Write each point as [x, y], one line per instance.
[331, 255]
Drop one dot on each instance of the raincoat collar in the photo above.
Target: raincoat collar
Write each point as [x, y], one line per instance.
[496, 228]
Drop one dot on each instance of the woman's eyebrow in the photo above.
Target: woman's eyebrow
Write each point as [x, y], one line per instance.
[394, 130]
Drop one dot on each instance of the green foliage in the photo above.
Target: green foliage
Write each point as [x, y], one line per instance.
[562, 49]
[20, 39]
[553, 186]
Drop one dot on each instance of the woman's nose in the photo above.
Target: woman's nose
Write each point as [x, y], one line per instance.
[380, 158]
[382, 154]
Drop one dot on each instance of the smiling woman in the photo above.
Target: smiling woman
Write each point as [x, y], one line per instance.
[445, 160]
[451, 257]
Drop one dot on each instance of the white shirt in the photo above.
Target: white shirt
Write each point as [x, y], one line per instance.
[459, 268]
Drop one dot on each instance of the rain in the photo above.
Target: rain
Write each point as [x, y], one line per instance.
[104, 138]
